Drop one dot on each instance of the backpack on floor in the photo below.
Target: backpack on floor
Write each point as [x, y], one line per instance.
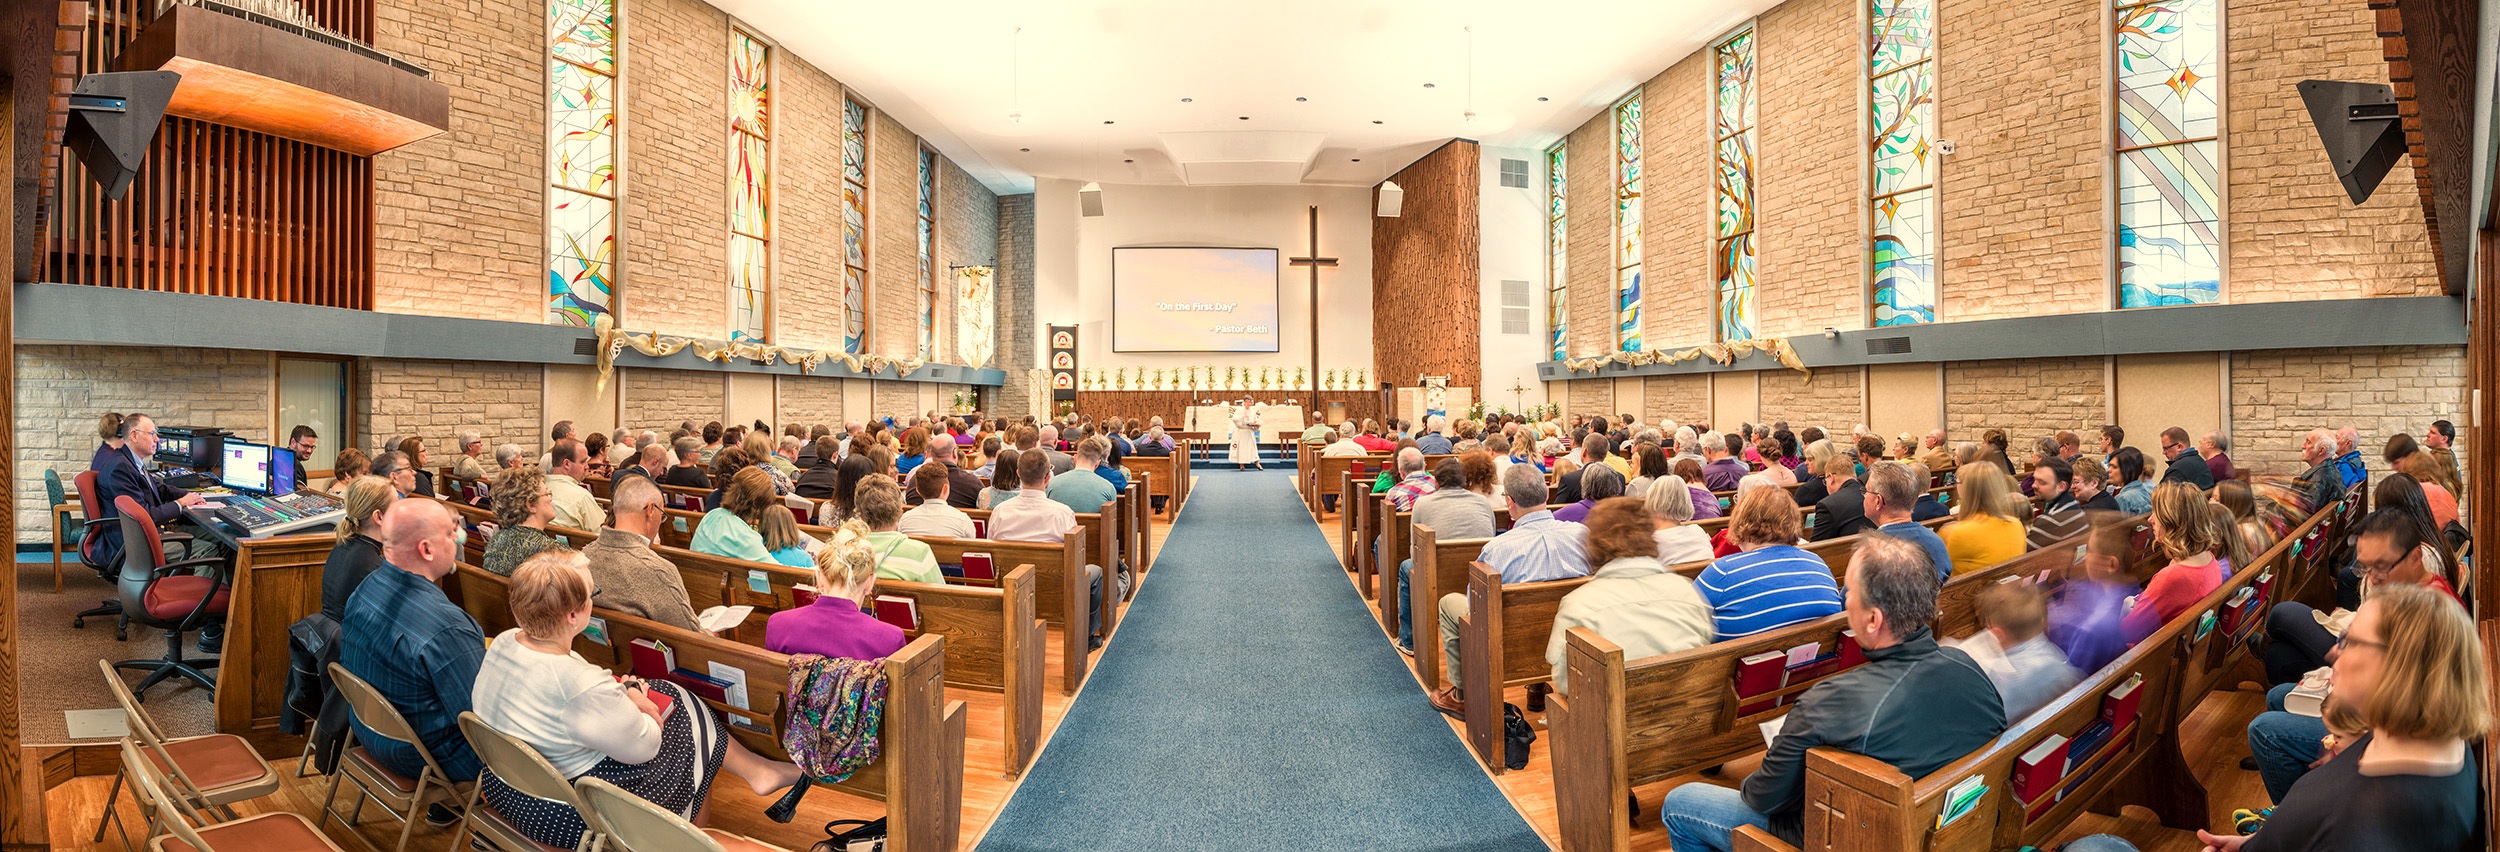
[863, 835]
[1517, 735]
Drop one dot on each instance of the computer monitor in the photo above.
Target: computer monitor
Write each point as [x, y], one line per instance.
[246, 466]
[283, 472]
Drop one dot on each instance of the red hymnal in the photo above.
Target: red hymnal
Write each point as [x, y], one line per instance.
[658, 699]
[1757, 674]
[980, 528]
[2235, 612]
[899, 611]
[2038, 770]
[2118, 707]
[802, 594]
[1851, 656]
[977, 567]
[652, 659]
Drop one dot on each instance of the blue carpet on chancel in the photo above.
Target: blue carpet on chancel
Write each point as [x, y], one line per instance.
[1249, 700]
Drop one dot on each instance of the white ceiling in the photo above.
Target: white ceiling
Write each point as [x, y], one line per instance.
[945, 70]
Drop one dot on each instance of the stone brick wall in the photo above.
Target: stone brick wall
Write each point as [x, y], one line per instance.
[1427, 268]
[967, 236]
[1588, 396]
[676, 210]
[2027, 398]
[807, 206]
[661, 399]
[458, 218]
[899, 400]
[61, 390]
[435, 400]
[1807, 231]
[1677, 287]
[2294, 234]
[1016, 327]
[1589, 261]
[2022, 206]
[893, 233]
[810, 400]
[1834, 398]
[1682, 399]
[2279, 395]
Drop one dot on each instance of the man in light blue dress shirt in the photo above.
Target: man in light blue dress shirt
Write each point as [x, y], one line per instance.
[1538, 547]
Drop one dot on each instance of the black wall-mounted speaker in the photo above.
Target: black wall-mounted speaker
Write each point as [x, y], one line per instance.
[112, 122]
[2357, 124]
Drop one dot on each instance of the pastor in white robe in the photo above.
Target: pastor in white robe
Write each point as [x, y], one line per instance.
[1246, 434]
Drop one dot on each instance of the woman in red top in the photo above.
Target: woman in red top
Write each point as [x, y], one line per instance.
[2184, 530]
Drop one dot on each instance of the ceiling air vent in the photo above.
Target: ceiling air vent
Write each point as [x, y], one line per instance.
[1514, 173]
[585, 346]
[1887, 346]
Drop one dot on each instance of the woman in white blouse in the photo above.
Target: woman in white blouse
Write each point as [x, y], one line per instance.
[654, 739]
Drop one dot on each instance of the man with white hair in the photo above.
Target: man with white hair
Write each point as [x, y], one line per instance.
[1720, 471]
[2324, 483]
[2217, 452]
[621, 446]
[2348, 456]
[784, 453]
[1935, 453]
[1413, 480]
[1687, 446]
[467, 465]
[1434, 442]
[508, 457]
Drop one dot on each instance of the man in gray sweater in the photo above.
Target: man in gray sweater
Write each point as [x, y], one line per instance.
[631, 578]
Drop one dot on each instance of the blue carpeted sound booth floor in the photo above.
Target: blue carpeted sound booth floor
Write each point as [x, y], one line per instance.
[1249, 701]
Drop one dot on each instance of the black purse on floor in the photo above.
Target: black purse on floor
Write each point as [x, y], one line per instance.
[862, 835]
[1517, 735]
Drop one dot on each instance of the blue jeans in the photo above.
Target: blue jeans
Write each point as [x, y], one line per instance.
[2283, 743]
[1701, 816]
[2100, 843]
[1406, 613]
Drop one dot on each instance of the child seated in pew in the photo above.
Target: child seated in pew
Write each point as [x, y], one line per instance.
[1914, 704]
[2011, 646]
[837, 624]
[783, 539]
[586, 721]
[2415, 671]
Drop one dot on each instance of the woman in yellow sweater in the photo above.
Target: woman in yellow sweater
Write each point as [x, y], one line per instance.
[1988, 531]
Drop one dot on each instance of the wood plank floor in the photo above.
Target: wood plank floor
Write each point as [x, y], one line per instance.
[2215, 743]
[71, 810]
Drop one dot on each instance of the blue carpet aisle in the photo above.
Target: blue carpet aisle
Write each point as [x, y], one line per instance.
[1250, 700]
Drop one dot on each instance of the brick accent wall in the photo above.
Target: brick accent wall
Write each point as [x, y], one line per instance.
[434, 400]
[1427, 271]
[1588, 396]
[1589, 263]
[1016, 327]
[458, 221]
[1676, 197]
[2293, 231]
[807, 206]
[2022, 210]
[2279, 395]
[661, 399]
[1806, 226]
[893, 234]
[62, 389]
[899, 400]
[676, 278]
[2026, 398]
[1682, 399]
[1834, 398]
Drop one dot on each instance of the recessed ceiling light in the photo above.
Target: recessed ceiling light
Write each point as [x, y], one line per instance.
[1301, 100]
[1025, 150]
[1128, 161]
[1358, 159]
[1540, 100]
[1427, 85]
[1375, 121]
[1106, 121]
[1245, 118]
[1188, 100]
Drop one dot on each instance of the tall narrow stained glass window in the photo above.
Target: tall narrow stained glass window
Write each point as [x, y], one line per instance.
[928, 254]
[1557, 287]
[1901, 170]
[581, 163]
[750, 185]
[1628, 224]
[2168, 108]
[854, 227]
[1733, 138]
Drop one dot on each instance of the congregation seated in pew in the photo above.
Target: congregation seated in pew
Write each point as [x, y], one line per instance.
[1454, 512]
[524, 506]
[2013, 647]
[1631, 599]
[1989, 528]
[731, 528]
[836, 623]
[934, 511]
[1771, 582]
[1033, 516]
[1538, 546]
[630, 576]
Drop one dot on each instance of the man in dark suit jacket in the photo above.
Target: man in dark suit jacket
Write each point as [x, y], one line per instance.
[818, 480]
[2185, 465]
[1593, 450]
[1844, 512]
[120, 476]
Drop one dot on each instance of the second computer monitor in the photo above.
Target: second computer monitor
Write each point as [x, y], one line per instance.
[246, 466]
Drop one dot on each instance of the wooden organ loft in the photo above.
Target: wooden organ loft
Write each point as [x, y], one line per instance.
[259, 184]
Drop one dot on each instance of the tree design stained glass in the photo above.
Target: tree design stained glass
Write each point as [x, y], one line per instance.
[854, 227]
[1733, 132]
[1901, 185]
[2168, 112]
[928, 254]
[1557, 287]
[1628, 224]
[750, 180]
[581, 175]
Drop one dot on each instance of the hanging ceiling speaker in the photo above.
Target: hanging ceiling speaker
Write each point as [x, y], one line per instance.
[1391, 199]
[1089, 198]
[2357, 124]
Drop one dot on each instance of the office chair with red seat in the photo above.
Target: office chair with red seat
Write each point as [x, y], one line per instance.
[159, 593]
[91, 507]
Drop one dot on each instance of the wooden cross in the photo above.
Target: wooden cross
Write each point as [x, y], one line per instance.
[1314, 261]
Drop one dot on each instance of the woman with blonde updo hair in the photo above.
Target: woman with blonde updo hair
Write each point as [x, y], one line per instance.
[836, 624]
[358, 550]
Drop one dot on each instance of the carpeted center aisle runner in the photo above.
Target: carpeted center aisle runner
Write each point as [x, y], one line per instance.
[1250, 701]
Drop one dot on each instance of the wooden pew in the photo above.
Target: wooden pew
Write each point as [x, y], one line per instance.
[1101, 525]
[1058, 589]
[920, 775]
[1329, 472]
[1137, 517]
[1354, 488]
[1168, 476]
[1440, 568]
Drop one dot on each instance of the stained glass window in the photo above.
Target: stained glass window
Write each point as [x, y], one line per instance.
[1557, 288]
[1901, 171]
[1733, 138]
[928, 254]
[2169, 134]
[1628, 223]
[854, 227]
[581, 172]
[751, 188]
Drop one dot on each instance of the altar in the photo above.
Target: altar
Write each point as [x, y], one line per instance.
[1276, 423]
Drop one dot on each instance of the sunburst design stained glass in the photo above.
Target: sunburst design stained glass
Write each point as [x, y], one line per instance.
[1733, 248]
[854, 227]
[1628, 224]
[928, 254]
[1557, 287]
[581, 173]
[750, 182]
[2169, 134]
[1901, 184]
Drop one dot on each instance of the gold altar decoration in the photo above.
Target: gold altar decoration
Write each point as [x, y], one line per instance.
[612, 341]
[1723, 354]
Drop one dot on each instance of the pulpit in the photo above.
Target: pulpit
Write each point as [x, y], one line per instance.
[1414, 403]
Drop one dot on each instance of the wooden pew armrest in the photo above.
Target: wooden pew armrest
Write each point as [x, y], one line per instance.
[1750, 839]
